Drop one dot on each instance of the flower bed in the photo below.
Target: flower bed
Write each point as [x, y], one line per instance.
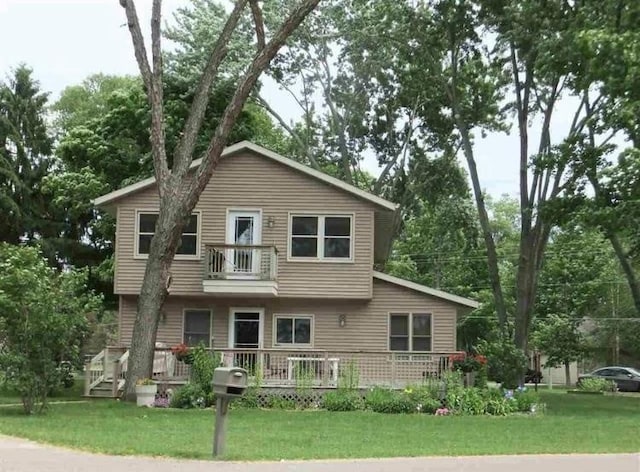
[441, 398]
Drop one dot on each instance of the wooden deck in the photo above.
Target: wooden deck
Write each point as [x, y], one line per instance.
[105, 373]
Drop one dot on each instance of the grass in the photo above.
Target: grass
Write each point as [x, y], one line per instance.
[68, 394]
[571, 424]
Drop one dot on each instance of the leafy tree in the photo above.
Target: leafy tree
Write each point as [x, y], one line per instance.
[25, 148]
[476, 65]
[42, 322]
[560, 338]
[178, 188]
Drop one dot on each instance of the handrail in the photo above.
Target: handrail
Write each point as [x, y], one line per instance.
[241, 246]
[231, 261]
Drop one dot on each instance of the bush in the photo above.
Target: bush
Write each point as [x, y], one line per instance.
[593, 384]
[497, 404]
[424, 398]
[190, 396]
[202, 367]
[43, 322]
[383, 400]
[343, 400]
[277, 402]
[526, 399]
[506, 363]
[471, 402]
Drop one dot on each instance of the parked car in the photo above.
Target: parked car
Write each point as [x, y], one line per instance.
[626, 378]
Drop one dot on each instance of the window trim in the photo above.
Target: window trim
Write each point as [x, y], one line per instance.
[178, 257]
[184, 315]
[274, 330]
[410, 314]
[320, 235]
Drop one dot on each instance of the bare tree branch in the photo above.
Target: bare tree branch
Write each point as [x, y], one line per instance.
[138, 41]
[246, 85]
[304, 148]
[403, 150]
[153, 84]
[258, 20]
[184, 149]
[336, 118]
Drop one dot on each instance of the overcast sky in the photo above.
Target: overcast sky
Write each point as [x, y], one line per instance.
[64, 41]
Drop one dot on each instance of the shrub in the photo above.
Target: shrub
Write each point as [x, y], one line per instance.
[499, 405]
[471, 402]
[593, 384]
[506, 363]
[278, 402]
[526, 399]
[202, 367]
[383, 400]
[424, 398]
[190, 396]
[343, 400]
[349, 376]
[454, 389]
[43, 322]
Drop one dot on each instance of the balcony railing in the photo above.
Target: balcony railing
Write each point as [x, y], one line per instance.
[235, 261]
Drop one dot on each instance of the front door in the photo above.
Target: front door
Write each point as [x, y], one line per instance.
[245, 334]
[243, 229]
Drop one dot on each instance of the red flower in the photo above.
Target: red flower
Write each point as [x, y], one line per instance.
[180, 350]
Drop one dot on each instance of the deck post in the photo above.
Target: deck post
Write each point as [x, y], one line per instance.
[117, 370]
[393, 370]
[87, 378]
[325, 370]
[105, 363]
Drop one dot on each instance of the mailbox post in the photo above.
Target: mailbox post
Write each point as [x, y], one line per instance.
[229, 383]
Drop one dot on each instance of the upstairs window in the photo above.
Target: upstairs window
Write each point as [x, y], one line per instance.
[410, 332]
[321, 237]
[146, 228]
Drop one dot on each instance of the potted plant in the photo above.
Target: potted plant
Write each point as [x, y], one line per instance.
[146, 390]
[182, 353]
[469, 364]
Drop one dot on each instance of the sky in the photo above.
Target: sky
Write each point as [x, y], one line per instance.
[65, 41]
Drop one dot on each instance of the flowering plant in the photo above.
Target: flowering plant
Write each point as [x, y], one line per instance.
[182, 353]
[466, 362]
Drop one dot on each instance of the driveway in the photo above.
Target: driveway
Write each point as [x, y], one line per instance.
[17, 455]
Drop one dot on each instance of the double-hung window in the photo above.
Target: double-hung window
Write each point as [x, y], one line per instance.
[410, 332]
[146, 228]
[321, 237]
[293, 330]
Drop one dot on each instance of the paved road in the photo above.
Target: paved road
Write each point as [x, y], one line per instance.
[17, 455]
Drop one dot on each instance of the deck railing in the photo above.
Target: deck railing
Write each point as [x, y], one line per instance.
[317, 368]
[235, 261]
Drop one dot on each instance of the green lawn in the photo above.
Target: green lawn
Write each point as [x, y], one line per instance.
[69, 394]
[571, 423]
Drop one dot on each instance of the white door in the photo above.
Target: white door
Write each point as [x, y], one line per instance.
[243, 229]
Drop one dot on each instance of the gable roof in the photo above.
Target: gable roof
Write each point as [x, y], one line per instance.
[249, 146]
[426, 290]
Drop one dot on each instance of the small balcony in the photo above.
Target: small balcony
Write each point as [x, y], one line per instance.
[235, 269]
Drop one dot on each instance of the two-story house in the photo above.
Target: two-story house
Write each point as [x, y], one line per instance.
[278, 260]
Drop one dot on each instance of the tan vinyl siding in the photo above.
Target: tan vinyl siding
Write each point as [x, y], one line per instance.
[366, 327]
[251, 182]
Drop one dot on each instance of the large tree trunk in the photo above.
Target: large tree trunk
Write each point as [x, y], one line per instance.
[567, 374]
[179, 192]
[485, 225]
[153, 294]
[627, 268]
